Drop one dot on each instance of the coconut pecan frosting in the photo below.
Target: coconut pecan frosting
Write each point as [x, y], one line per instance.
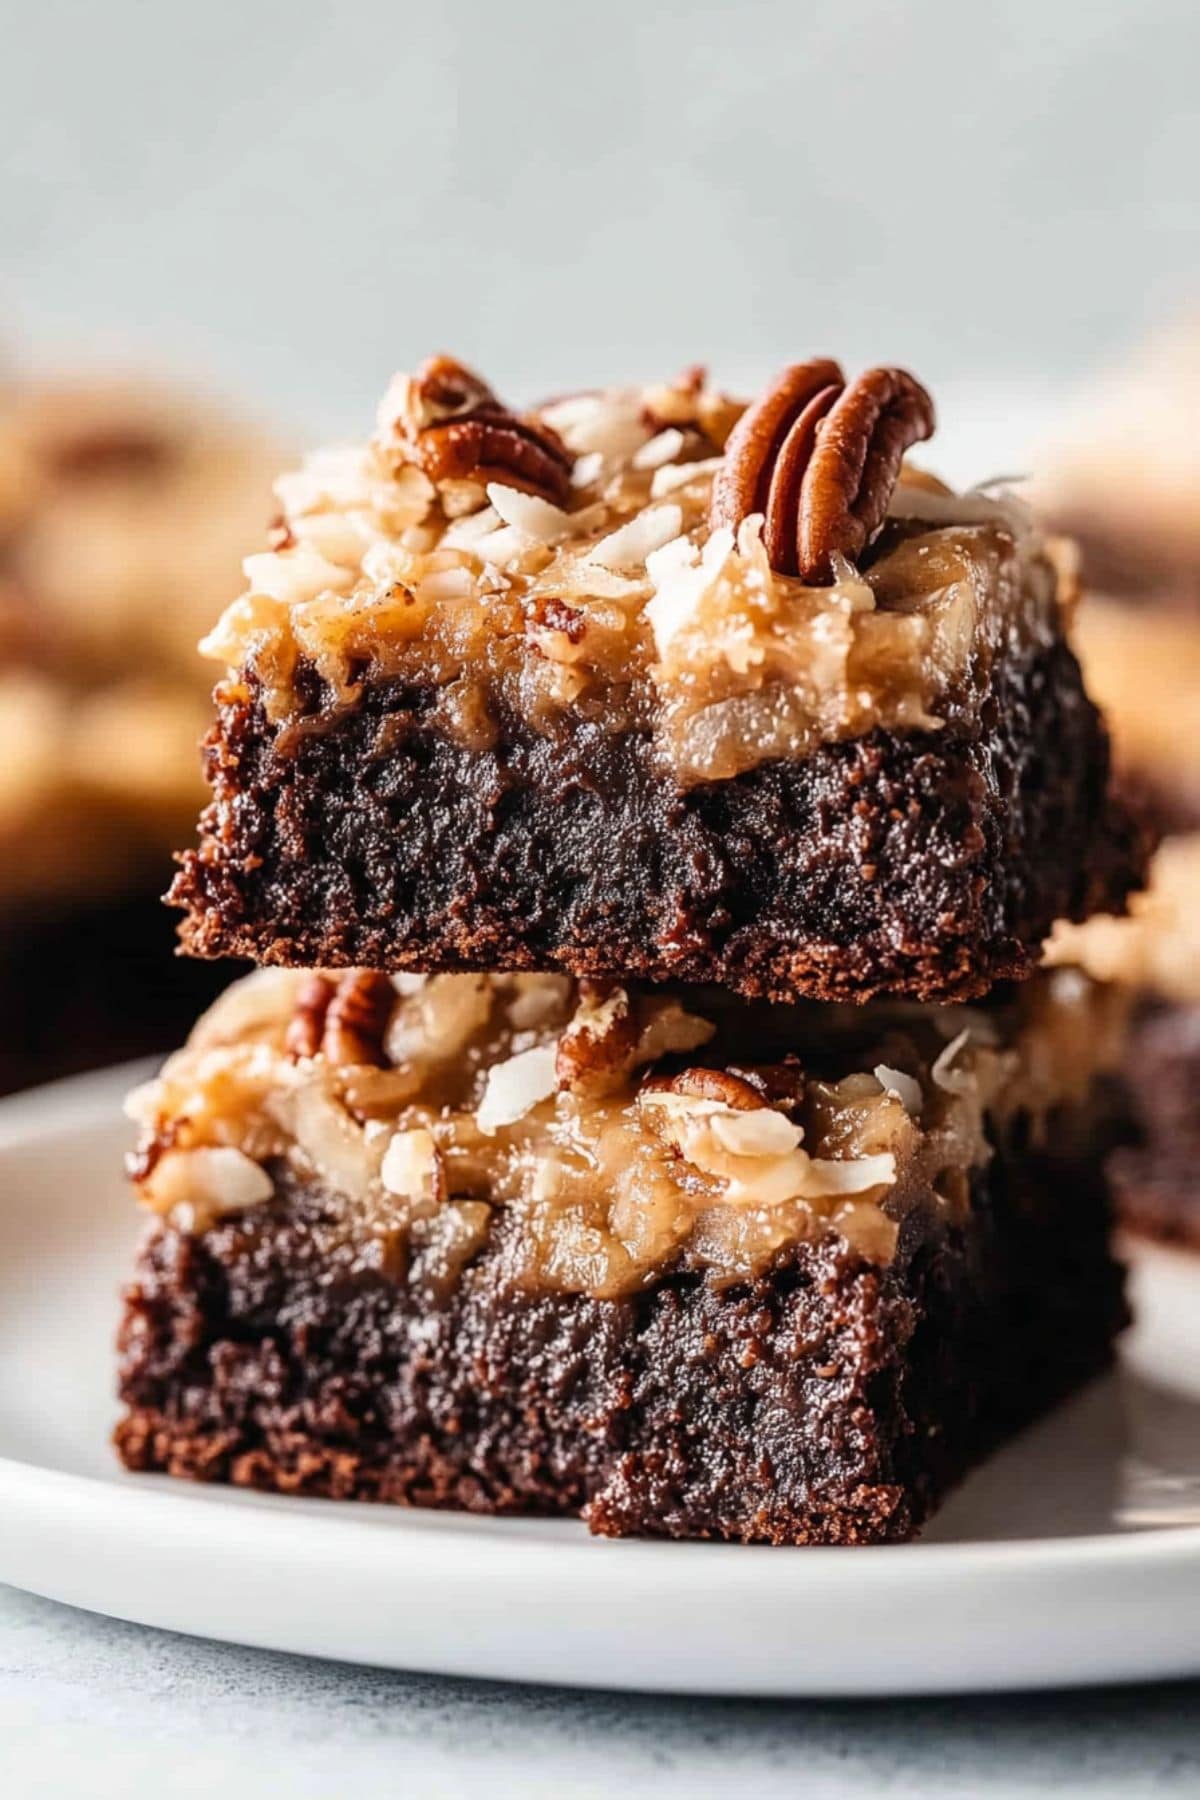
[741, 582]
[624, 1131]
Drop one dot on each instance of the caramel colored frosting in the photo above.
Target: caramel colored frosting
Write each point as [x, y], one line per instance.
[123, 512]
[623, 1133]
[615, 601]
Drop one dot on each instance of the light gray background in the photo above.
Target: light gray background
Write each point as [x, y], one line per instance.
[294, 199]
[290, 200]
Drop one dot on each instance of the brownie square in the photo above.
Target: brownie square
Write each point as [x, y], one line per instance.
[683, 1267]
[538, 691]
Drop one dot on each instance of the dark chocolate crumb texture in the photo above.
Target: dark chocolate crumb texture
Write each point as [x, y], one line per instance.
[687, 1267]
[650, 684]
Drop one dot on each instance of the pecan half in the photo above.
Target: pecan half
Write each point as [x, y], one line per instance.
[781, 1084]
[819, 460]
[458, 430]
[357, 1018]
[707, 1084]
[856, 461]
[306, 1027]
[443, 389]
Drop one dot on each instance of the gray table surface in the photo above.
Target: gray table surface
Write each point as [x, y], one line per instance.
[93, 1707]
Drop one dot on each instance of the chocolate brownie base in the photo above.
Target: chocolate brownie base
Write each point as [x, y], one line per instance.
[831, 1401]
[95, 985]
[929, 864]
[1157, 1183]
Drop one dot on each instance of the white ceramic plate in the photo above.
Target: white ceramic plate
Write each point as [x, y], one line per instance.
[1073, 1556]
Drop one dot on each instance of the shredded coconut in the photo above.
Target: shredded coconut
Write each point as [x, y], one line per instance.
[529, 514]
[410, 1165]
[515, 1087]
[943, 1072]
[659, 450]
[677, 475]
[906, 1089]
[297, 574]
[631, 545]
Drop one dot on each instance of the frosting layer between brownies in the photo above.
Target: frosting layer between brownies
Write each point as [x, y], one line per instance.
[569, 568]
[628, 1132]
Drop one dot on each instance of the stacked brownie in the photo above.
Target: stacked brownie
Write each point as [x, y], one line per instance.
[654, 807]
[1126, 480]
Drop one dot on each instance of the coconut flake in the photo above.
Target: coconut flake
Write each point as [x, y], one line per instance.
[530, 515]
[393, 409]
[681, 576]
[659, 450]
[410, 1168]
[295, 575]
[948, 1078]
[763, 1132]
[446, 584]
[587, 469]
[759, 1155]
[502, 549]
[327, 1135]
[612, 424]
[972, 508]
[676, 475]
[515, 1087]
[340, 537]
[901, 1086]
[339, 476]
[630, 545]
[466, 532]
[854, 1176]
[407, 984]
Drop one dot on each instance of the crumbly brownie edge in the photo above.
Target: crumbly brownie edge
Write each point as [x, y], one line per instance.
[929, 864]
[1156, 1183]
[828, 1402]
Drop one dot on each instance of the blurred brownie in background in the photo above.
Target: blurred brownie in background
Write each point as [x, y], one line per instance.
[1122, 477]
[1155, 955]
[1124, 480]
[123, 511]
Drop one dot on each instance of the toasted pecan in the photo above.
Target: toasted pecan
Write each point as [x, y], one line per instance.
[459, 431]
[855, 463]
[701, 1083]
[597, 1050]
[357, 1018]
[443, 389]
[306, 1027]
[819, 460]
